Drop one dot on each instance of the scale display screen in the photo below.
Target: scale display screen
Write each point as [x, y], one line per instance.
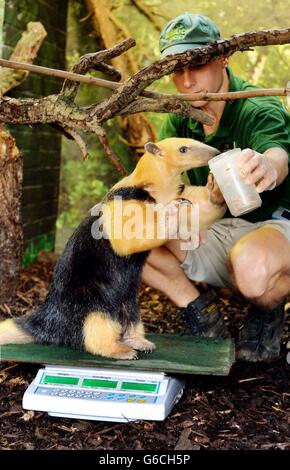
[139, 387]
[58, 380]
[95, 383]
[102, 394]
[98, 383]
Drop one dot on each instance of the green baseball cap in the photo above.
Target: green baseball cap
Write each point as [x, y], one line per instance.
[187, 31]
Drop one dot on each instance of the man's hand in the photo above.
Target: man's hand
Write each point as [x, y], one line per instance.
[182, 223]
[171, 219]
[215, 194]
[257, 169]
[179, 219]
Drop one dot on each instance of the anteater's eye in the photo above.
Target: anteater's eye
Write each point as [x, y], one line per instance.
[183, 149]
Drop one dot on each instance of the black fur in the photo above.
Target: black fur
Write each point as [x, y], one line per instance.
[133, 192]
[89, 276]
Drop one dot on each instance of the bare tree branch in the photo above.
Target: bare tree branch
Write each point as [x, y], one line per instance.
[96, 61]
[233, 95]
[26, 50]
[147, 12]
[112, 156]
[109, 70]
[170, 105]
[72, 76]
[134, 86]
[80, 142]
[49, 109]
[126, 98]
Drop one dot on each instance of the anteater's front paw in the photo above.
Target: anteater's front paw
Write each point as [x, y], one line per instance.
[148, 346]
[144, 345]
[124, 352]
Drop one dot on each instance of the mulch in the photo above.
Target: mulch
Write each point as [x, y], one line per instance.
[249, 409]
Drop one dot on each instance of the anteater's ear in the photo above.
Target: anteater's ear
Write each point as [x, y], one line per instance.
[154, 149]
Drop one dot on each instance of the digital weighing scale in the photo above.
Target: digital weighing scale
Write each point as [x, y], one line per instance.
[77, 384]
[103, 394]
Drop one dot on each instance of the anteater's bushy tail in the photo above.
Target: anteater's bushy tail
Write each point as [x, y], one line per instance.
[12, 333]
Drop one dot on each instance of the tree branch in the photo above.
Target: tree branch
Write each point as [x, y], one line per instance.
[170, 105]
[96, 61]
[80, 142]
[26, 50]
[147, 12]
[112, 156]
[134, 86]
[71, 76]
[233, 95]
[126, 97]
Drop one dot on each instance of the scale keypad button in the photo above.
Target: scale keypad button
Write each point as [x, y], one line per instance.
[93, 395]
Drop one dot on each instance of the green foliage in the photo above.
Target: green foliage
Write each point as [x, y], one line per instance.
[43, 243]
[83, 184]
[1, 22]
[84, 187]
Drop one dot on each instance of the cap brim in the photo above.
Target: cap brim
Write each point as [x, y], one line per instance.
[178, 48]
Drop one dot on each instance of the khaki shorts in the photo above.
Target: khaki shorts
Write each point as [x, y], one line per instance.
[208, 262]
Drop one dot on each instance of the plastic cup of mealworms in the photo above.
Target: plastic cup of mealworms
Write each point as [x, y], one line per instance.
[239, 196]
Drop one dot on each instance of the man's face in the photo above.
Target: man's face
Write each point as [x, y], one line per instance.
[208, 77]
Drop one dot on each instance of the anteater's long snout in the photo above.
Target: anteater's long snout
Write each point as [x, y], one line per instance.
[203, 153]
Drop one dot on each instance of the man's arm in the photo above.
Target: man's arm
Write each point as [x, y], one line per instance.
[265, 170]
[279, 159]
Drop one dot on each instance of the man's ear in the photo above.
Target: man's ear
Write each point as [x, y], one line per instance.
[154, 149]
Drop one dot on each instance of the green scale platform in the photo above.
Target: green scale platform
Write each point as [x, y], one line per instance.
[173, 354]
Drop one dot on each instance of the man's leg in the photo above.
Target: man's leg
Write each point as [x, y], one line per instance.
[259, 264]
[163, 272]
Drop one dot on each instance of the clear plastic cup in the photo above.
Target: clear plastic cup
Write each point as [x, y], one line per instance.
[239, 196]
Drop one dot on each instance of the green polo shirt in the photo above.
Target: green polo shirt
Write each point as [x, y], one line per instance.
[258, 123]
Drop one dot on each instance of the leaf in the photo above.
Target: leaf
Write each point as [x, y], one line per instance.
[27, 416]
[18, 381]
[183, 442]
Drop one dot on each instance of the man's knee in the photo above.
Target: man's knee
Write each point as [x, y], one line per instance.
[248, 266]
[164, 262]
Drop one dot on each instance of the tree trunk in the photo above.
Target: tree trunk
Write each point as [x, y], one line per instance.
[11, 238]
[11, 234]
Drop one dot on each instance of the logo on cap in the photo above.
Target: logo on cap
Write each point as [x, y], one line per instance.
[179, 32]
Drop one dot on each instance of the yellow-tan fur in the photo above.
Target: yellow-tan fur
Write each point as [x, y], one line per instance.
[161, 177]
[159, 173]
[103, 335]
[9, 329]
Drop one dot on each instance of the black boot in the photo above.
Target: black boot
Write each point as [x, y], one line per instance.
[260, 335]
[204, 318]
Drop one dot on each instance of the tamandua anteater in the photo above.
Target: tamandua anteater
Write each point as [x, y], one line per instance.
[92, 301]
